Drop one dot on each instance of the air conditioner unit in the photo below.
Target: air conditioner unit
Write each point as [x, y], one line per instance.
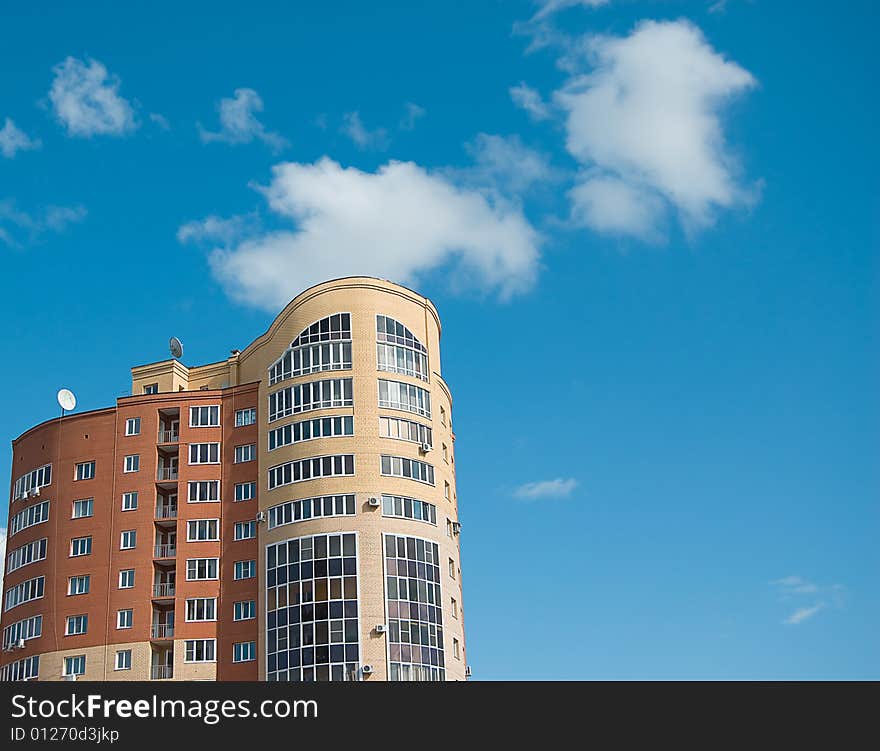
[425, 448]
[467, 671]
[19, 644]
[374, 502]
[456, 528]
[366, 669]
[35, 492]
[381, 628]
[261, 516]
[71, 677]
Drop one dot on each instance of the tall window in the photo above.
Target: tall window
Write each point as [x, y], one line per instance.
[304, 397]
[405, 396]
[311, 468]
[325, 345]
[312, 609]
[415, 609]
[398, 350]
[204, 417]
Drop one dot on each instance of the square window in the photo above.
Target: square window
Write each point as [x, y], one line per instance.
[133, 426]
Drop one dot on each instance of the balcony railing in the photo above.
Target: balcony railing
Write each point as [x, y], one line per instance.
[167, 473]
[168, 436]
[166, 511]
[165, 551]
[162, 672]
[162, 631]
[163, 590]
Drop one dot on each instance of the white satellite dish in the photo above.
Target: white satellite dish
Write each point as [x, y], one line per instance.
[176, 347]
[67, 400]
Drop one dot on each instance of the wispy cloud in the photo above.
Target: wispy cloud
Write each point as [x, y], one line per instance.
[794, 590]
[17, 226]
[364, 138]
[239, 123]
[160, 120]
[214, 229]
[505, 164]
[85, 98]
[557, 488]
[413, 113]
[802, 614]
[13, 140]
[529, 99]
[549, 7]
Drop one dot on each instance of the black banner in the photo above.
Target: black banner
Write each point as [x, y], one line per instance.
[167, 714]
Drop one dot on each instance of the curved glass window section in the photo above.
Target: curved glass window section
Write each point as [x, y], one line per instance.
[398, 350]
[308, 430]
[405, 396]
[304, 397]
[312, 629]
[311, 508]
[409, 508]
[405, 430]
[33, 480]
[325, 345]
[411, 469]
[415, 614]
[336, 465]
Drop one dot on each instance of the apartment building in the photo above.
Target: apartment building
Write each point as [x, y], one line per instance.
[289, 513]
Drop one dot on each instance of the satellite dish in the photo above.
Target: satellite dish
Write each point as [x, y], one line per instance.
[67, 400]
[176, 347]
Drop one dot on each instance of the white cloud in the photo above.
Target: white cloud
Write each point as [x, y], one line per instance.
[213, 229]
[398, 223]
[795, 589]
[644, 120]
[558, 488]
[160, 120]
[13, 140]
[355, 129]
[413, 113]
[505, 164]
[14, 222]
[239, 123]
[529, 99]
[795, 585]
[2, 555]
[548, 7]
[802, 614]
[85, 98]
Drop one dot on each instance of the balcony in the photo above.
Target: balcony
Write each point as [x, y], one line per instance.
[162, 672]
[167, 474]
[162, 631]
[165, 551]
[166, 511]
[163, 590]
[168, 436]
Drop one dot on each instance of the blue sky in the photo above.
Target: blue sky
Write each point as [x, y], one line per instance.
[657, 218]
